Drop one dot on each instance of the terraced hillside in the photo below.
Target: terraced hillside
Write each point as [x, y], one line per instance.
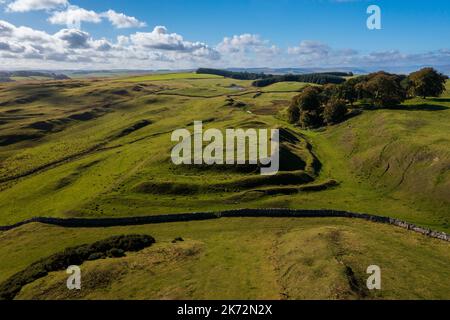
[101, 148]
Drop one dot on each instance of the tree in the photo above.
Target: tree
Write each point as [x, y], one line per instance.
[329, 91]
[311, 119]
[306, 108]
[427, 82]
[309, 99]
[383, 89]
[335, 111]
[293, 113]
[347, 91]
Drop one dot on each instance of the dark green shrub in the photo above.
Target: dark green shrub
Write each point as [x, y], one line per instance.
[115, 253]
[178, 239]
[96, 256]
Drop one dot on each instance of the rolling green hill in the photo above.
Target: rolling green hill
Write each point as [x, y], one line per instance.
[86, 137]
[241, 258]
[101, 148]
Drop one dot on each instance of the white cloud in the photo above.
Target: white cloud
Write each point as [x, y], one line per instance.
[6, 28]
[101, 45]
[33, 5]
[73, 16]
[121, 21]
[160, 39]
[26, 47]
[317, 53]
[246, 43]
[248, 50]
[240, 43]
[311, 48]
[74, 38]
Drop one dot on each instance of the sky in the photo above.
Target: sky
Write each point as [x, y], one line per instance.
[179, 34]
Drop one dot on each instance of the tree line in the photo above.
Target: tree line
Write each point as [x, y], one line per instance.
[234, 74]
[263, 80]
[318, 106]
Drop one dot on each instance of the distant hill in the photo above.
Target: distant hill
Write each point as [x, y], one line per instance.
[11, 76]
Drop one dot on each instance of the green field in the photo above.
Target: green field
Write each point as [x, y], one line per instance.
[78, 148]
[291, 259]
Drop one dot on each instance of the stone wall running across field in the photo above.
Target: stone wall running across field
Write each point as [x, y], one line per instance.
[241, 213]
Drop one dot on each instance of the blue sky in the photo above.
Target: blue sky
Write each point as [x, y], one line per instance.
[273, 33]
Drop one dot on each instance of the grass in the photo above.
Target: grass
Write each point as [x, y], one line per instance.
[242, 258]
[285, 86]
[171, 76]
[68, 156]
[93, 160]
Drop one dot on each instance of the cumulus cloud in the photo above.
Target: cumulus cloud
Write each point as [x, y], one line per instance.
[310, 52]
[241, 43]
[161, 39]
[101, 45]
[248, 50]
[121, 21]
[74, 38]
[157, 49]
[6, 28]
[246, 43]
[73, 16]
[32, 5]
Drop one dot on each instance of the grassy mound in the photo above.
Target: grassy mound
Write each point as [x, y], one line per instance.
[111, 247]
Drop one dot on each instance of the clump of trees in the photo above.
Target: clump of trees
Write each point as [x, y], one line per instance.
[234, 74]
[426, 83]
[381, 89]
[318, 106]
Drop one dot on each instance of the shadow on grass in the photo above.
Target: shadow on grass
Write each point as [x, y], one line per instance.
[419, 107]
[439, 99]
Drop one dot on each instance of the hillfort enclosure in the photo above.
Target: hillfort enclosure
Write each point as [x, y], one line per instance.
[236, 146]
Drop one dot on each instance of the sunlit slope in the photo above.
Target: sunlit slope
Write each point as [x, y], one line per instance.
[101, 148]
[403, 155]
[255, 258]
[118, 161]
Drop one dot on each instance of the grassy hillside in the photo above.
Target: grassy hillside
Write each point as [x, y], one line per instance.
[108, 143]
[87, 138]
[251, 258]
[101, 148]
